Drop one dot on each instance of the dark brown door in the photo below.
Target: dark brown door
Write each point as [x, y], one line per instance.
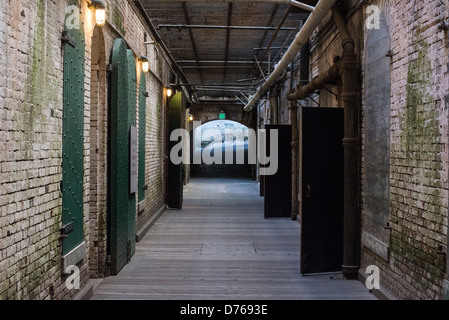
[278, 186]
[321, 190]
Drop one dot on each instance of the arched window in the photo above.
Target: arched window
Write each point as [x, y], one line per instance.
[377, 84]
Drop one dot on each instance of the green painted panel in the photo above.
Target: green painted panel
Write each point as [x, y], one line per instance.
[118, 193]
[175, 172]
[72, 141]
[142, 130]
[131, 88]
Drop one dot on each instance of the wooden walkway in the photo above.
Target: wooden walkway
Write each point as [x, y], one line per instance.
[220, 247]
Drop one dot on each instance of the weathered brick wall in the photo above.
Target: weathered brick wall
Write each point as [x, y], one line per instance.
[31, 150]
[419, 156]
[31, 112]
[417, 197]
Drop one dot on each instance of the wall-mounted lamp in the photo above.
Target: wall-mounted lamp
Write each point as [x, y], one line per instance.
[145, 63]
[100, 11]
[169, 92]
[190, 117]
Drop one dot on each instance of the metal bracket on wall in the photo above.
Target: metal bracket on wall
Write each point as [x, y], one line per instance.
[67, 39]
[66, 229]
[443, 26]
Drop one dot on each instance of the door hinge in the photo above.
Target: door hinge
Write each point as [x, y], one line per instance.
[66, 229]
[68, 39]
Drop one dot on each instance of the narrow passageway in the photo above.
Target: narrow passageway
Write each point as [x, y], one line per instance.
[219, 246]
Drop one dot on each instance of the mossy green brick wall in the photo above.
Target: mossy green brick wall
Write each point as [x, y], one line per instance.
[419, 152]
[31, 142]
[31, 126]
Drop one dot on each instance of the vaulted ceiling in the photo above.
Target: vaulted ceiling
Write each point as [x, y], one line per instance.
[225, 48]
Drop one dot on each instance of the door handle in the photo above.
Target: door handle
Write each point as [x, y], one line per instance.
[309, 191]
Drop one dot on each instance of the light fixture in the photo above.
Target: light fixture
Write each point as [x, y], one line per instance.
[100, 11]
[169, 92]
[190, 117]
[222, 115]
[145, 64]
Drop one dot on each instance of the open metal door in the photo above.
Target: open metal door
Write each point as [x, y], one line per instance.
[175, 171]
[322, 185]
[131, 88]
[278, 186]
[121, 198]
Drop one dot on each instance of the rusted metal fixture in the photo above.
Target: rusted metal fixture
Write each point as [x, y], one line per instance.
[321, 9]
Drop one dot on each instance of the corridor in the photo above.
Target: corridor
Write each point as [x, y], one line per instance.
[224, 149]
[219, 246]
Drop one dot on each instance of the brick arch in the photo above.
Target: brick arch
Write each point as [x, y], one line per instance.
[207, 113]
[98, 149]
[223, 169]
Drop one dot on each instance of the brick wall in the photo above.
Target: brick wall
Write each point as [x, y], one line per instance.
[409, 254]
[31, 113]
[419, 163]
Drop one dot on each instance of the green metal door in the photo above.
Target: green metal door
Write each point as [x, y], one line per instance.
[175, 172]
[142, 130]
[121, 202]
[131, 88]
[72, 140]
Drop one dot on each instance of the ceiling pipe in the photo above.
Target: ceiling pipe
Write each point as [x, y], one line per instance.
[345, 72]
[322, 8]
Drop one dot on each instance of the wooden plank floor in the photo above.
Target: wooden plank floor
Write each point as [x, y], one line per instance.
[219, 247]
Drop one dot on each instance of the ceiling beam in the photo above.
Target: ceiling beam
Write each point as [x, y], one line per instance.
[161, 44]
[228, 31]
[228, 27]
[229, 85]
[270, 22]
[228, 67]
[192, 39]
[295, 3]
[220, 61]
